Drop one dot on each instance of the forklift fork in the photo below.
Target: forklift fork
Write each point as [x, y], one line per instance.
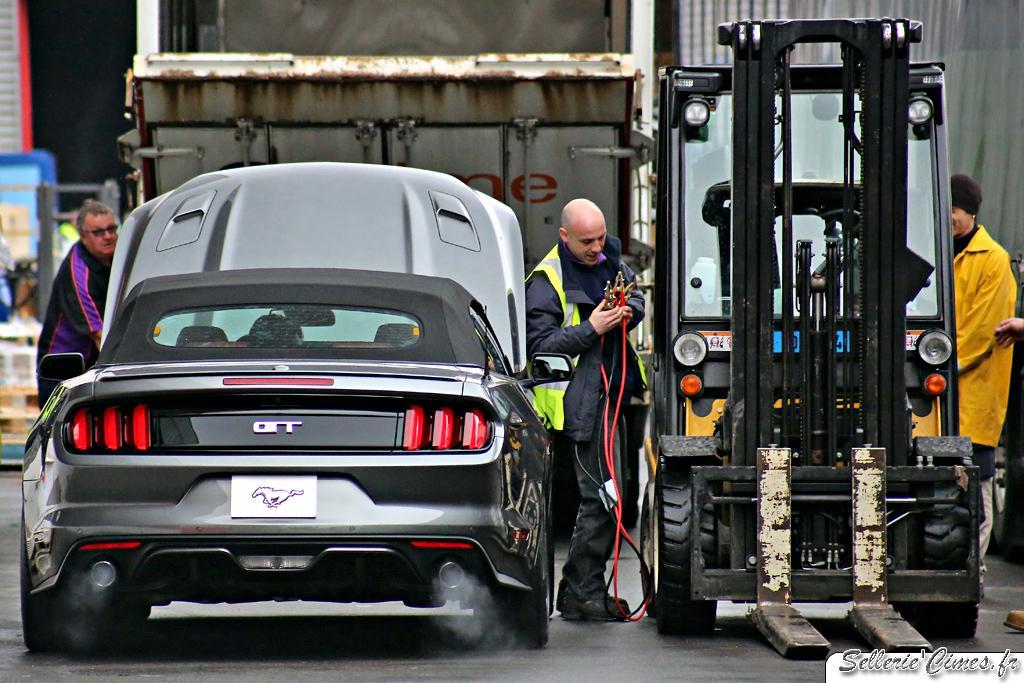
[784, 627]
[872, 615]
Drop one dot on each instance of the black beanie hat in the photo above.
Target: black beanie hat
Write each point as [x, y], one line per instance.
[966, 193]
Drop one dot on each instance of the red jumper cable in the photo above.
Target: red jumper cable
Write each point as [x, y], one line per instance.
[609, 458]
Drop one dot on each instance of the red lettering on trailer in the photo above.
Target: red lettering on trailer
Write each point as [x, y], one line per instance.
[547, 182]
[491, 178]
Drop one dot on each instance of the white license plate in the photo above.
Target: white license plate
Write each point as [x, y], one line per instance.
[273, 496]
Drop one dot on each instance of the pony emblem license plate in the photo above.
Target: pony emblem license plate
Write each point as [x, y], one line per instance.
[273, 496]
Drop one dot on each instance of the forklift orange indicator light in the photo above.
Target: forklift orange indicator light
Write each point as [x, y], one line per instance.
[691, 385]
[935, 384]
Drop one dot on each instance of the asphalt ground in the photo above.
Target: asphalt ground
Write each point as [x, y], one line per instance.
[296, 641]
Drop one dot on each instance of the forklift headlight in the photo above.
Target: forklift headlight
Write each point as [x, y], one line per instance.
[690, 348]
[696, 112]
[920, 110]
[935, 347]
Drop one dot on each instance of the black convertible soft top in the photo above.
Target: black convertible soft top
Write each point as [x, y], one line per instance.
[442, 306]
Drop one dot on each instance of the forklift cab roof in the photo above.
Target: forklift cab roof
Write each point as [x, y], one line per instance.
[817, 181]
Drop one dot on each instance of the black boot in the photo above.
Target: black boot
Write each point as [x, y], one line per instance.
[574, 609]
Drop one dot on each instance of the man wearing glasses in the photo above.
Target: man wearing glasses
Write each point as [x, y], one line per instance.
[74, 316]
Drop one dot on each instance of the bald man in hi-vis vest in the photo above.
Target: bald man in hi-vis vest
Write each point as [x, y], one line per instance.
[565, 313]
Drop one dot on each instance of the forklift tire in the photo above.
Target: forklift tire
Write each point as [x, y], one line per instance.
[942, 619]
[947, 535]
[647, 536]
[675, 611]
[947, 545]
[630, 476]
[631, 509]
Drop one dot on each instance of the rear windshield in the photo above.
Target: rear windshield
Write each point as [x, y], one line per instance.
[331, 314]
[308, 326]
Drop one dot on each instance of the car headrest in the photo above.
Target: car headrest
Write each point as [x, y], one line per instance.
[273, 330]
[193, 335]
[396, 334]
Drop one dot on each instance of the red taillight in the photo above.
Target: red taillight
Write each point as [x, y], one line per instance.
[81, 430]
[114, 545]
[441, 545]
[475, 430]
[140, 427]
[414, 422]
[443, 429]
[279, 381]
[112, 428]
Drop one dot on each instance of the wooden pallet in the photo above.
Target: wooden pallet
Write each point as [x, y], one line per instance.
[12, 450]
[17, 365]
[14, 439]
[17, 420]
[18, 331]
[27, 339]
[19, 397]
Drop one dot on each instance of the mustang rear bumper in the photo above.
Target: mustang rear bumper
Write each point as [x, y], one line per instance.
[364, 544]
[241, 569]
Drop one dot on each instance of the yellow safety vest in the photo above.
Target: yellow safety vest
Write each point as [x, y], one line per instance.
[69, 232]
[548, 399]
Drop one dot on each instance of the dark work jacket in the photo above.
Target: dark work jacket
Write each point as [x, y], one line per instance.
[545, 334]
[75, 309]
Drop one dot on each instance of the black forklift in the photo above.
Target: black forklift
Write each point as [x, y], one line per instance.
[805, 412]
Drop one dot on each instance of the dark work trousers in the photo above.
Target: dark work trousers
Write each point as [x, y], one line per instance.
[594, 533]
[44, 387]
[985, 459]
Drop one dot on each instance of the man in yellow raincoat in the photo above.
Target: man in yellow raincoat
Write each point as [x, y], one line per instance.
[985, 293]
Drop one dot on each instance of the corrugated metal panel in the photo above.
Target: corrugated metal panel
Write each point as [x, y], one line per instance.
[699, 20]
[10, 78]
[482, 89]
[419, 27]
[287, 66]
[983, 48]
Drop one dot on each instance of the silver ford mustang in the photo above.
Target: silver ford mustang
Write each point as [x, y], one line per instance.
[318, 434]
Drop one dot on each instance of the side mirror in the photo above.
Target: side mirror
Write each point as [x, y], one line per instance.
[549, 367]
[58, 367]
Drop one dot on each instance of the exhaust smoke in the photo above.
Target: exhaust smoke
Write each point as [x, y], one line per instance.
[491, 625]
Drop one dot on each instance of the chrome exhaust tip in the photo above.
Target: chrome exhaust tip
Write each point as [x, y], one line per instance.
[102, 574]
[451, 575]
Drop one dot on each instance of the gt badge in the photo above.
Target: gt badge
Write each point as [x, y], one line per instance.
[273, 426]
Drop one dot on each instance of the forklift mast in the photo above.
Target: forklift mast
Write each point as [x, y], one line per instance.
[868, 402]
[807, 444]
